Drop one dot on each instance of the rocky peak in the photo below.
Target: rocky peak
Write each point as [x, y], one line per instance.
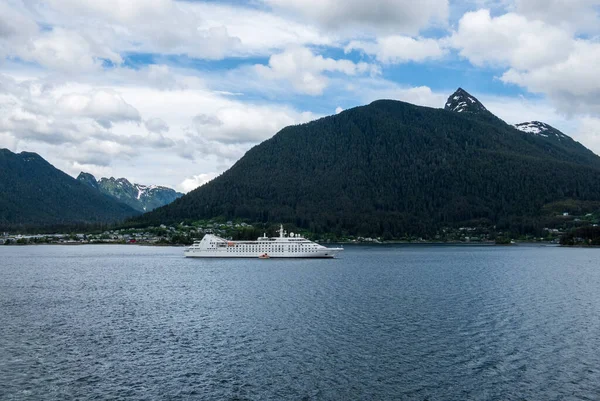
[123, 181]
[88, 179]
[463, 102]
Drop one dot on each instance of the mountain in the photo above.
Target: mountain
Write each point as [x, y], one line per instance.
[556, 138]
[462, 102]
[88, 179]
[33, 193]
[142, 198]
[395, 168]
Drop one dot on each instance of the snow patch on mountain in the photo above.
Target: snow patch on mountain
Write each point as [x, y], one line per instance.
[138, 196]
[144, 190]
[540, 129]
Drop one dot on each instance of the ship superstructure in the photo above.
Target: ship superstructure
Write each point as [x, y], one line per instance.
[284, 246]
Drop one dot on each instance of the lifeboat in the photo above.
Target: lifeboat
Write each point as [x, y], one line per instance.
[264, 256]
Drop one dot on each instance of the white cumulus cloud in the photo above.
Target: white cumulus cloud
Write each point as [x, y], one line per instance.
[189, 184]
[66, 50]
[103, 105]
[15, 23]
[405, 16]
[573, 83]
[509, 40]
[576, 15]
[237, 123]
[118, 10]
[306, 71]
[543, 58]
[157, 125]
[399, 49]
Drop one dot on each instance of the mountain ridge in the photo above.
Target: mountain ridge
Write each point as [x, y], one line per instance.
[394, 167]
[140, 197]
[33, 193]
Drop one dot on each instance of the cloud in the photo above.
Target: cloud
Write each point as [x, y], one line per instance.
[79, 123]
[99, 153]
[15, 23]
[157, 76]
[24, 125]
[588, 132]
[156, 125]
[189, 184]
[203, 120]
[63, 50]
[36, 111]
[203, 30]
[83, 34]
[338, 110]
[118, 10]
[542, 58]
[245, 123]
[105, 106]
[375, 89]
[575, 15]
[305, 70]
[509, 40]
[399, 49]
[404, 16]
[94, 169]
[573, 83]
[116, 85]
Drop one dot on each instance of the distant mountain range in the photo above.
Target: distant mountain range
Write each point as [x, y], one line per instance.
[142, 198]
[398, 169]
[33, 193]
[36, 195]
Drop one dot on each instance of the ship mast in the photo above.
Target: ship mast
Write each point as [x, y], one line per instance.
[281, 231]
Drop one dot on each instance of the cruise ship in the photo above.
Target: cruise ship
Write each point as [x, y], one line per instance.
[284, 246]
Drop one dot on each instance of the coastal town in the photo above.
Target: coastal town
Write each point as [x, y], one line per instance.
[186, 234]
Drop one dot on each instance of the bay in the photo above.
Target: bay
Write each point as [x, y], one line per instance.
[378, 323]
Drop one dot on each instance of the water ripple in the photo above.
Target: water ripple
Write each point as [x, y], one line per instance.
[379, 323]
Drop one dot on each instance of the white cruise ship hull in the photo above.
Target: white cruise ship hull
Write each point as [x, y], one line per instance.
[323, 254]
[284, 246]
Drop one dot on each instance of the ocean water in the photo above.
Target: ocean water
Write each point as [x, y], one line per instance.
[378, 323]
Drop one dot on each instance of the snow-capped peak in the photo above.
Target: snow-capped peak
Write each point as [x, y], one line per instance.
[144, 189]
[540, 129]
[461, 101]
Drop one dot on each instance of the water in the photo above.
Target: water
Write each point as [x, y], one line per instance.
[379, 323]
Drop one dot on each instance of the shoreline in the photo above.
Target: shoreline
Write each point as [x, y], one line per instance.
[425, 243]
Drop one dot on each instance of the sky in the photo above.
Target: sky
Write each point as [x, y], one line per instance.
[174, 92]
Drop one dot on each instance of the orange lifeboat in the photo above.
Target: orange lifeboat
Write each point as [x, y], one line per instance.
[264, 256]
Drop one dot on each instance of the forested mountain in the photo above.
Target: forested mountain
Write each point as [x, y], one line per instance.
[143, 198]
[395, 168]
[35, 194]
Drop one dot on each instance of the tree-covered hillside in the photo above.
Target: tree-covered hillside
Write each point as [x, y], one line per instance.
[392, 167]
[35, 194]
